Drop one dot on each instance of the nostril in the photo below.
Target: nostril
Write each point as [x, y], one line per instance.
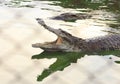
[35, 45]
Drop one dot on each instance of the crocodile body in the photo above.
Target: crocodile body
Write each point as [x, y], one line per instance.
[108, 42]
[72, 16]
[68, 43]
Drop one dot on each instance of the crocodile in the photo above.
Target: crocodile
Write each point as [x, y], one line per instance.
[66, 42]
[72, 16]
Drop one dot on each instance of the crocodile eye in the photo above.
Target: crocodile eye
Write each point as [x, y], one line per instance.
[111, 48]
[103, 48]
[73, 15]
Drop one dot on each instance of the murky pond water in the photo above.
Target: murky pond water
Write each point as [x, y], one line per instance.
[104, 18]
[19, 29]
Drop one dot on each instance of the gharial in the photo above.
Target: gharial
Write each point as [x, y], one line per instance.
[69, 43]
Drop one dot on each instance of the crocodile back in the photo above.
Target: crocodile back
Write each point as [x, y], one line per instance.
[108, 42]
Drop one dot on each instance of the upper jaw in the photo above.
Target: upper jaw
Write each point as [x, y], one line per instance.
[65, 41]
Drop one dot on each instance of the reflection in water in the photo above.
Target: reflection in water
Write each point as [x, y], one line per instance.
[85, 28]
[64, 59]
[109, 5]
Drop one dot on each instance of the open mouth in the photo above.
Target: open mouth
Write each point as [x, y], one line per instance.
[65, 41]
[57, 45]
[62, 42]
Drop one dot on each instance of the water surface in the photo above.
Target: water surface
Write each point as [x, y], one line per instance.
[19, 30]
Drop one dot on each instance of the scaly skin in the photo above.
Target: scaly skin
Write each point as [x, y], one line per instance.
[68, 43]
[72, 16]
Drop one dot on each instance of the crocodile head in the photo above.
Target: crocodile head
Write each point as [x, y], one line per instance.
[59, 44]
[65, 41]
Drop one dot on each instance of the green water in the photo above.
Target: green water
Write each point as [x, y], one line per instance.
[112, 6]
[108, 5]
[65, 59]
